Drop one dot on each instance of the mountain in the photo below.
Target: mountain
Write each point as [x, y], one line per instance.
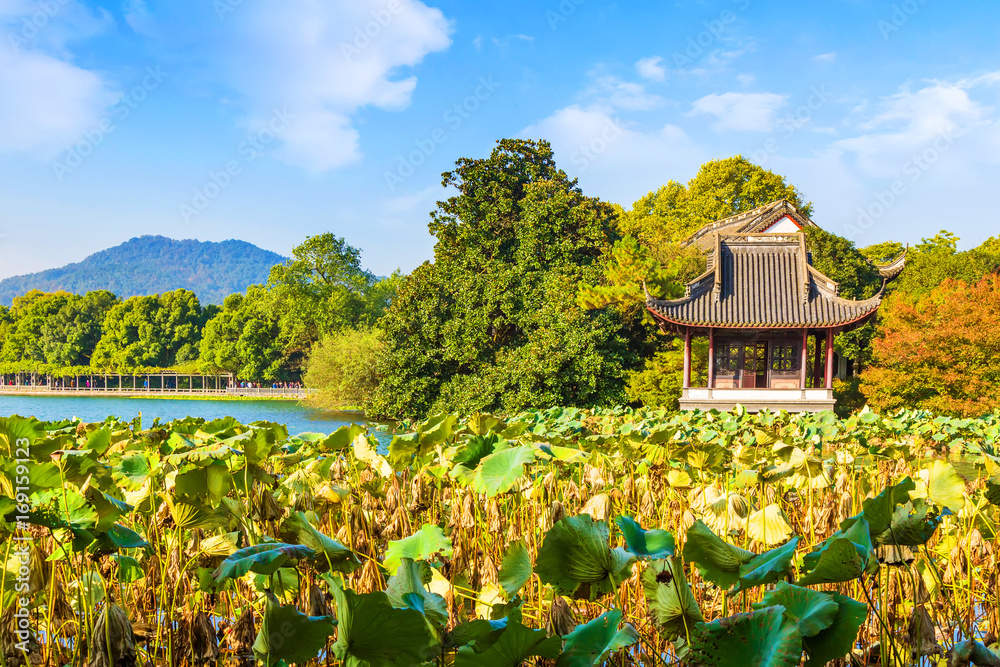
[154, 264]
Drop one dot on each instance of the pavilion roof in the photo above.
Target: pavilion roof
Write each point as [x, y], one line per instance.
[766, 281]
[753, 221]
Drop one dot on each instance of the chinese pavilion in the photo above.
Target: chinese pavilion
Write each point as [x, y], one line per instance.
[758, 303]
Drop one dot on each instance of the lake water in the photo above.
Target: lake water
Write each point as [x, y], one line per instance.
[297, 417]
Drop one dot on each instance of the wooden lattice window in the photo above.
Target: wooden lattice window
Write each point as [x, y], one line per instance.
[785, 358]
[727, 358]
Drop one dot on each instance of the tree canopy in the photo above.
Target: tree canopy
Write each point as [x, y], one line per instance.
[939, 349]
[492, 322]
[158, 331]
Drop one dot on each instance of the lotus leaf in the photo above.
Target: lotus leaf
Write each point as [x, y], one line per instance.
[653, 543]
[288, 635]
[576, 560]
[671, 603]
[761, 638]
[591, 643]
[422, 545]
[372, 633]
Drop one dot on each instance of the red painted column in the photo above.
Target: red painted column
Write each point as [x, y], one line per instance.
[829, 358]
[711, 358]
[805, 358]
[687, 358]
[817, 361]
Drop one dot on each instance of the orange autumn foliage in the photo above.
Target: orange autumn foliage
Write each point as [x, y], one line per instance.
[939, 351]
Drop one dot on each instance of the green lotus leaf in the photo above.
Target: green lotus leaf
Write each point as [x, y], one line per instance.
[512, 647]
[718, 561]
[500, 471]
[945, 488]
[330, 552]
[671, 603]
[878, 511]
[412, 578]
[263, 558]
[591, 643]
[373, 633]
[767, 567]
[288, 635]
[762, 638]
[968, 652]
[515, 569]
[576, 560]
[422, 545]
[838, 639]
[119, 537]
[340, 439]
[993, 490]
[475, 449]
[812, 610]
[202, 456]
[653, 543]
[478, 634]
[16, 428]
[844, 556]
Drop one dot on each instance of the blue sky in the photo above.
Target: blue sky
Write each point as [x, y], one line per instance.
[271, 120]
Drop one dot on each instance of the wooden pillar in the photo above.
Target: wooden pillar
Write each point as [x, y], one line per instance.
[829, 358]
[687, 358]
[711, 358]
[805, 357]
[817, 360]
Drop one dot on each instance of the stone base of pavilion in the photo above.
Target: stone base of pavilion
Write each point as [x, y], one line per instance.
[755, 400]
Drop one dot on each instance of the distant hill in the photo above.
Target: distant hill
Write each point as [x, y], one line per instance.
[155, 264]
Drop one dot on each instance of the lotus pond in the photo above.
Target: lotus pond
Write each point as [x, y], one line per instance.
[557, 537]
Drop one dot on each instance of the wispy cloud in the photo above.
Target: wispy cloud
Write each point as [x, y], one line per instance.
[47, 100]
[825, 58]
[746, 112]
[651, 68]
[324, 62]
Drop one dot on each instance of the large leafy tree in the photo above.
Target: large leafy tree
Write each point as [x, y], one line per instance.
[243, 338]
[939, 350]
[936, 259]
[69, 337]
[492, 322]
[29, 313]
[320, 290]
[141, 331]
[721, 188]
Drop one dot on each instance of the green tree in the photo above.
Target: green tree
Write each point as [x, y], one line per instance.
[720, 189]
[321, 289]
[244, 339]
[936, 259]
[492, 323]
[144, 331]
[342, 366]
[69, 337]
[29, 314]
[939, 350]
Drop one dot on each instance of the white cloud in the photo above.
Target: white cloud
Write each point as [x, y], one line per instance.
[746, 79]
[612, 159]
[627, 95]
[324, 62]
[909, 121]
[825, 58]
[47, 102]
[746, 112]
[651, 68]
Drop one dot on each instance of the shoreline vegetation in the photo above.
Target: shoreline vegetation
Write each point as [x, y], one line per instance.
[628, 536]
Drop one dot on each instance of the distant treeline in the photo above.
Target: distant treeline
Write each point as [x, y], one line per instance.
[263, 335]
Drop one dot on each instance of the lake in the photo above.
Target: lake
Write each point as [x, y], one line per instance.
[297, 417]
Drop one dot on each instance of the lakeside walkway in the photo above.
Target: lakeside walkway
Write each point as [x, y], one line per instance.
[153, 392]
